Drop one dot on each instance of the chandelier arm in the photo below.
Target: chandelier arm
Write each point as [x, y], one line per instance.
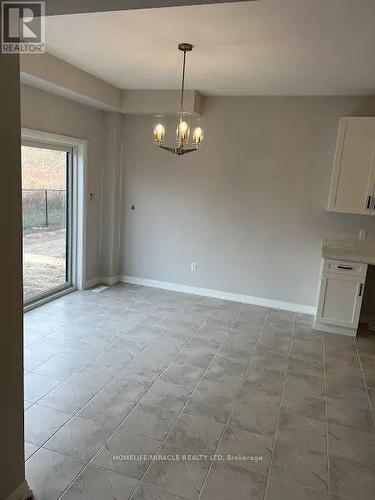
[190, 150]
[177, 151]
[171, 150]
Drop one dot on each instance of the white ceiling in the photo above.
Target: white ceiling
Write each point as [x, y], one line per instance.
[268, 47]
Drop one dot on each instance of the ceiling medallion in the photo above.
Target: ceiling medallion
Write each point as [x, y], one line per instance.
[185, 140]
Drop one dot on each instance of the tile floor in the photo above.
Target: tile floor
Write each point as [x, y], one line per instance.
[143, 394]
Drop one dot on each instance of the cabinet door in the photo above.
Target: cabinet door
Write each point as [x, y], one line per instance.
[352, 182]
[340, 300]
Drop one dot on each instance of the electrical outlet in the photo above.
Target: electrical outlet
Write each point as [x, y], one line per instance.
[194, 267]
[362, 234]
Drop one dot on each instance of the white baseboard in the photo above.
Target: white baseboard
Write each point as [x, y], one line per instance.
[109, 280]
[91, 282]
[23, 492]
[217, 294]
[102, 280]
[342, 330]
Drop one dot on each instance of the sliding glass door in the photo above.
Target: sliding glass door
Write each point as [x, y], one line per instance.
[47, 212]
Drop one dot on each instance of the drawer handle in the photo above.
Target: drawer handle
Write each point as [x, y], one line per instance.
[347, 268]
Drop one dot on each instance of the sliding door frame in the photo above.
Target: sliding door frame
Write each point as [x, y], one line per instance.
[78, 209]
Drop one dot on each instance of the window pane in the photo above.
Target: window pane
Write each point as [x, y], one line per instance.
[44, 202]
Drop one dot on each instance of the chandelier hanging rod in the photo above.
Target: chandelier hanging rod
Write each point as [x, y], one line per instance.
[184, 47]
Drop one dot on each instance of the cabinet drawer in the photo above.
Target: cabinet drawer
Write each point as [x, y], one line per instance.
[344, 267]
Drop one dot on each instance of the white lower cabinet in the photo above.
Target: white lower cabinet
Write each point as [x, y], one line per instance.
[340, 296]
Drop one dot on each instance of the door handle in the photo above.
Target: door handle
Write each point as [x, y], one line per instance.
[368, 206]
[360, 290]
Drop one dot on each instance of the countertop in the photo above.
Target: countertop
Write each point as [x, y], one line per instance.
[350, 250]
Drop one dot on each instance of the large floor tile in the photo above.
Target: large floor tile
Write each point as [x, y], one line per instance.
[351, 412]
[226, 482]
[201, 359]
[150, 492]
[108, 408]
[264, 379]
[208, 404]
[196, 434]
[59, 367]
[167, 395]
[249, 450]
[352, 444]
[305, 385]
[275, 341]
[304, 395]
[259, 415]
[311, 349]
[272, 360]
[305, 366]
[284, 490]
[78, 389]
[301, 466]
[296, 404]
[302, 432]
[220, 386]
[350, 480]
[33, 333]
[27, 404]
[30, 449]
[53, 343]
[80, 438]
[181, 373]
[98, 484]
[149, 421]
[177, 474]
[222, 367]
[250, 390]
[127, 453]
[32, 359]
[148, 366]
[41, 423]
[113, 359]
[304, 320]
[49, 473]
[36, 386]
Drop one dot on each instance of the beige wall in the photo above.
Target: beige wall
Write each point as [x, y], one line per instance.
[11, 372]
[49, 71]
[249, 207]
[44, 111]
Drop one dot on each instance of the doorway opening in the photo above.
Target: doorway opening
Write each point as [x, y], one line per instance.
[53, 216]
[46, 217]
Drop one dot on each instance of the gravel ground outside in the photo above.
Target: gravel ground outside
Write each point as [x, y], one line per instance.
[43, 261]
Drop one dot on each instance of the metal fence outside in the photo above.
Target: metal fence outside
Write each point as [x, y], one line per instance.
[44, 208]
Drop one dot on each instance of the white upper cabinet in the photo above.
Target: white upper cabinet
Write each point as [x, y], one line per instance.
[353, 176]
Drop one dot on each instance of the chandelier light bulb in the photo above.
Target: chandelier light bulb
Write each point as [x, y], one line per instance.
[183, 131]
[197, 136]
[159, 133]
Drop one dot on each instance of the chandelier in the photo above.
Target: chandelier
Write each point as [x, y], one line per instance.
[189, 130]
